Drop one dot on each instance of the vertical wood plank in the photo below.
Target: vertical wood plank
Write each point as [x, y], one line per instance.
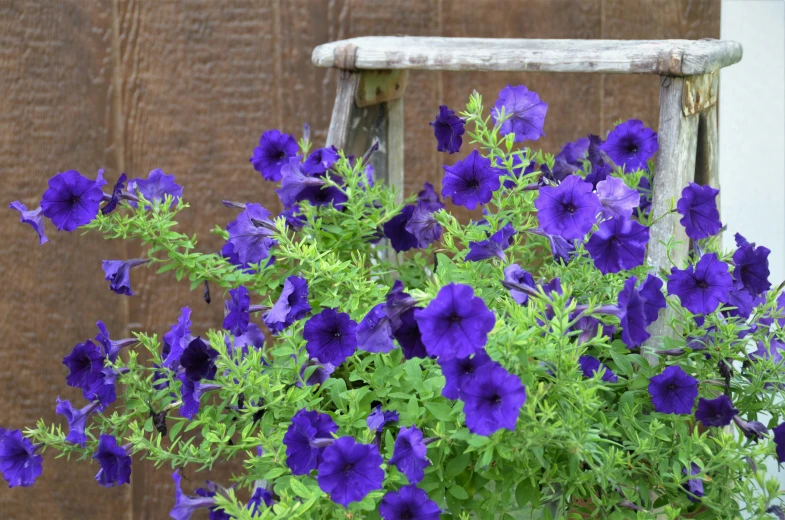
[55, 108]
[395, 147]
[344, 110]
[708, 154]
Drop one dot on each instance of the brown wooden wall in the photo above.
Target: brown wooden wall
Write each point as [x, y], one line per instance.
[188, 86]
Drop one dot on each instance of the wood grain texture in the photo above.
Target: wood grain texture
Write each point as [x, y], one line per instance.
[659, 57]
[188, 86]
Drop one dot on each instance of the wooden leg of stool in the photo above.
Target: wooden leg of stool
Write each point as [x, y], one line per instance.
[707, 160]
[344, 109]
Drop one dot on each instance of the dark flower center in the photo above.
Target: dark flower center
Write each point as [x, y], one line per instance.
[454, 318]
[570, 208]
[406, 515]
[74, 200]
[473, 184]
[337, 333]
[348, 467]
[703, 284]
[496, 399]
[672, 387]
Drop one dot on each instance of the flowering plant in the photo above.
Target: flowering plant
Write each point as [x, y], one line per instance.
[482, 370]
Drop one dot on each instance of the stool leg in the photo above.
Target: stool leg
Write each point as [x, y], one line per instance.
[343, 110]
[707, 160]
[675, 167]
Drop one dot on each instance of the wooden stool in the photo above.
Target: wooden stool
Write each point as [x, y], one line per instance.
[369, 101]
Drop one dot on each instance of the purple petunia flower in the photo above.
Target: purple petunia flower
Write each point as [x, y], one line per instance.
[184, 505]
[472, 181]
[568, 210]
[493, 246]
[320, 160]
[631, 144]
[83, 362]
[349, 470]
[374, 333]
[673, 391]
[715, 412]
[492, 399]
[645, 190]
[428, 193]
[703, 287]
[77, 420]
[19, 463]
[618, 245]
[301, 455]
[237, 314]
[422, 224]
[408, 335]
[632, 315]
[409, 502]
[409, 454]
[591, 365]
[115, 462]
[274, 150]
[330, 336]
[395, 229]
[653, 299]
[527, 113]
[456, 323]
[72, 200]
[156, 187]
[741, 299]
[118, 273]
[318, 376]
[698, 208]
[101, 387]
[260, 496]
[212, 491]
[32, 217]
[198, 360]
[296, 185]
[191, 393]
[773, 352]
[617, 199]
[779, 441]
[117, 193]
[561, 249]
[459, 371]
[516, 274]
[292, 305]
[569, 160]
[251, 234]
[379, 418]
[448, 129]
[693, 486]
[751, 266]
[111, 347]
[175, 341]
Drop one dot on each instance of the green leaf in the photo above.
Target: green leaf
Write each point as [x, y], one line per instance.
[457, 465]
[527, 493]
[622, 363]
[458, 492]
[299, 488]
[441, 411]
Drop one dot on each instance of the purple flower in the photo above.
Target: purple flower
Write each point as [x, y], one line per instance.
[742, 301]
[703, 287]
[296, 184]
[591, 365]
[408, 335]
[211, 491]
[118, 273]
[456, 323]
[395, 229]
[493, 246]
[423, 225]
[72, 200]
[448, 129]
[274, 150]
[318, 376]
[77, 420]
[379, 418]
[779, 441]
[458, 372]
[632, 315]
[260, 496]
[198, 360]
[653, 299]
[428, 193]
[292, 305]
[773, 352]
[693, 486]
[111, 347]
[320, 160]
[250, 234]
[114, 461]
[101, 387]
[753, 430]
[175, 341]
[184, 505]
[237, 314]
[374, 333]
[398, 302]
[698, 208]
[349, 471]
[516, 274]
[84, 361]
[117, 193]
[673, 391]
[191, 395]
[715, 412]
[471, 182]
[752, 266]
[156, 187]
[18, 461]
[561, 249]
[644, 188]
[301, 455]
[32, 217]
[330, 336]
[631, 144]
[492, 399]
[618, 245]
[568, 210]
[617, 199]
[526, 110]
[409, 502]
[409, 454]
[569, 160]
